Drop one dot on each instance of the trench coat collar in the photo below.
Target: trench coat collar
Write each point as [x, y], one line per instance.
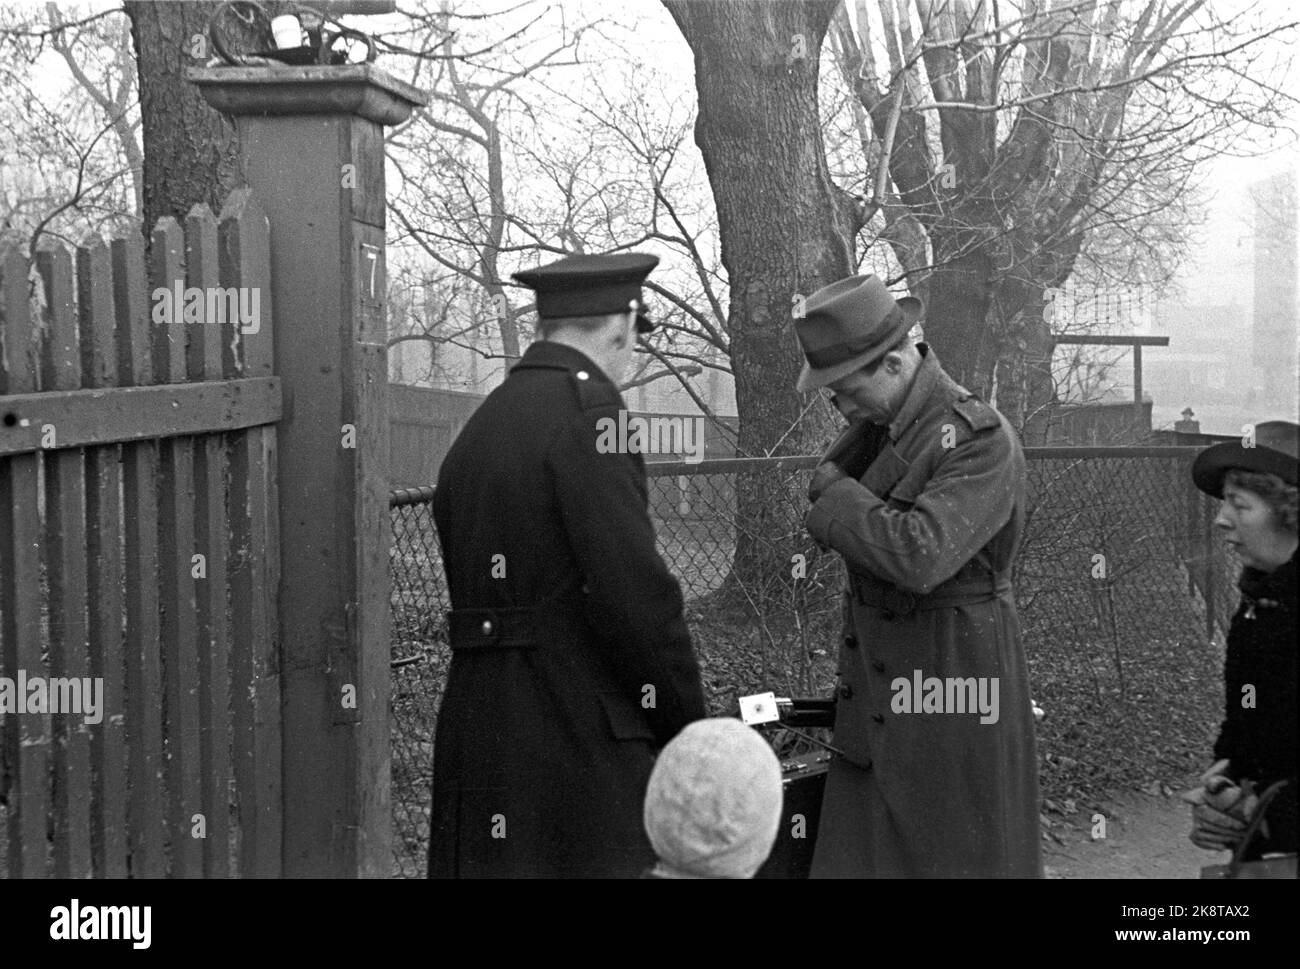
[929, 377]
[549, 355]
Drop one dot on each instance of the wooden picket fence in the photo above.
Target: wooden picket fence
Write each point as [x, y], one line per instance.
[139, 546]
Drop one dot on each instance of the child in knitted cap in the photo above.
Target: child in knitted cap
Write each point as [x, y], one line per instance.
[713, 802]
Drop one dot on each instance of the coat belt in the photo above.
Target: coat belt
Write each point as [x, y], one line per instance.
[962, 590]
[513, 627]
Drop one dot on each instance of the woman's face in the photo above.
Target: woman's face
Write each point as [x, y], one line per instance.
[1248, 525]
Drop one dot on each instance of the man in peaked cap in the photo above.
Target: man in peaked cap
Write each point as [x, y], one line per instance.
[571, 662]
[938, 770]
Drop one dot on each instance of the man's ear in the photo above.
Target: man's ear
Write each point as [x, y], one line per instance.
[625, 332]
[892, 363]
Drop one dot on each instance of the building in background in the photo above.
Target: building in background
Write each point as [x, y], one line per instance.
[1275, 332]
[1234, 323]
[1200, 368]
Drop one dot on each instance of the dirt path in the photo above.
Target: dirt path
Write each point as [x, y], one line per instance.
[1146, 837]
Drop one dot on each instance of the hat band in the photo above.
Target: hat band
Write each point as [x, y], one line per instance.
[837, 353]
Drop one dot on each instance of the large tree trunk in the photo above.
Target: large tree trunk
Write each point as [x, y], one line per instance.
[190, 151]
[785, 230]
[987, 326]
[959, 314]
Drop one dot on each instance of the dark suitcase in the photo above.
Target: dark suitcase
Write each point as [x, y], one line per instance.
[803, 785]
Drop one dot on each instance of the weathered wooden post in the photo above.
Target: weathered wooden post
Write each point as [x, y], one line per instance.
[312, 149]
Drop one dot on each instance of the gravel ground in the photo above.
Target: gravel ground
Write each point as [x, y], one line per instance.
[1146, 837]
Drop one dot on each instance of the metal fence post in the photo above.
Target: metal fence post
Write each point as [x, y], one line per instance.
[1211, 605]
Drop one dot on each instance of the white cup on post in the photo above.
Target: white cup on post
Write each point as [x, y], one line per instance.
[287, 31]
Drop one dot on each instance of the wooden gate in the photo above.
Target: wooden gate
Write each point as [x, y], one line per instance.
[139, 555]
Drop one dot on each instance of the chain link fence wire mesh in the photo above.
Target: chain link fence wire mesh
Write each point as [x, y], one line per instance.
[1123, 590]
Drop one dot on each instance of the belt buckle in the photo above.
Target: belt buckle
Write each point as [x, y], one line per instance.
[899, 603]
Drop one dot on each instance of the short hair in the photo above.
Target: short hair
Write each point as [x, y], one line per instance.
[546, 326]
[1282, 499]
[899, 346]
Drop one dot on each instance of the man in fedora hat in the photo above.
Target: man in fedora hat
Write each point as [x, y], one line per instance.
[938, 771]
[571, 663]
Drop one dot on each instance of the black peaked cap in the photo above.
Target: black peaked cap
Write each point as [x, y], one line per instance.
[591, 286]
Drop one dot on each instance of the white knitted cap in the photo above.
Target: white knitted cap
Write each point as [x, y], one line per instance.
[714, 801]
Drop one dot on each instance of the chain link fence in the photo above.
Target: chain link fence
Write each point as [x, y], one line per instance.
[1123, 592]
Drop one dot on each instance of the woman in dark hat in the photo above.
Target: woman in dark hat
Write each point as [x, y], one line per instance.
[1256, 480]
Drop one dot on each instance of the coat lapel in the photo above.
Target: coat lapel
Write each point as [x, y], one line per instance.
[886, 471]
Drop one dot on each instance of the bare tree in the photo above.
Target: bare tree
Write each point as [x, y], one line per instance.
[1031, 141]
[464, 126]
[994, 142]
[113, 90]
[68, 168]
[508, 165]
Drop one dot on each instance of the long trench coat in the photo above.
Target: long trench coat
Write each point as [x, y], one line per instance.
[554, 709]
[928, 534]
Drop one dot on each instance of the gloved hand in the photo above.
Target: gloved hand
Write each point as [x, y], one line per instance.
[1215, 830]
[827, 473]
[1215, 777]
[1222, 809]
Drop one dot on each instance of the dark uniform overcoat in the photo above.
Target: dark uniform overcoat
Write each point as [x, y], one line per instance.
[928, 535]
[571, 661]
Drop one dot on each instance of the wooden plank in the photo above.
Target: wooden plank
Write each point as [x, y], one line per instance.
[104, 555]
[244, 237]
[671, 469]
[1113, 340]
[1084, 453]
[367, 198]
[26, 738]
[120, 414]
[176, 583]
[143, 657]
[365, 398]
[211, 541]
[65, 537]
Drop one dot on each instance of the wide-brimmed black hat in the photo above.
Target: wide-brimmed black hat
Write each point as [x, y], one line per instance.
[1275, 449]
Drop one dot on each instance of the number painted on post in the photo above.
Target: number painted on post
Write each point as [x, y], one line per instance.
[372, 253]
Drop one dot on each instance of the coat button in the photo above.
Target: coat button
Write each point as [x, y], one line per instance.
[582, 375]
[851, 642]
[846, 691]
[487, 627]
[878, 717]
[878, 666]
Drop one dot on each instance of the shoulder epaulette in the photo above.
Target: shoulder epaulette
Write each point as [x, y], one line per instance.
[979, 415]
[592, 393]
